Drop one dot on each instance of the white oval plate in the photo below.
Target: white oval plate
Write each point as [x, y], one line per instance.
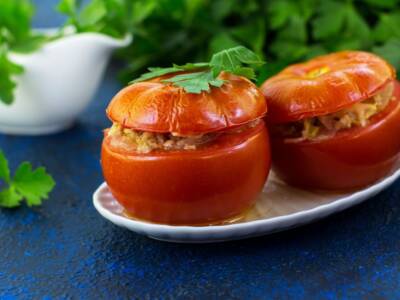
[278, 208]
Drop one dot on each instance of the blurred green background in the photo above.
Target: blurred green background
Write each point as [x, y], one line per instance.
[281, 31]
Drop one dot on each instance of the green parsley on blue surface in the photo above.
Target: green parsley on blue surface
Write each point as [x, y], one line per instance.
[31, 185]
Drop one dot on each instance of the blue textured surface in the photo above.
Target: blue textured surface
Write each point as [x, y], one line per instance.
[66, 250]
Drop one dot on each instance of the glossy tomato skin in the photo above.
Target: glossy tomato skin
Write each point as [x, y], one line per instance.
[325, 85]
[192, 187]
[350, 159]
[159, 107]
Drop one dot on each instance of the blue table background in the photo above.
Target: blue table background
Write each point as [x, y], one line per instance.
[64, 249]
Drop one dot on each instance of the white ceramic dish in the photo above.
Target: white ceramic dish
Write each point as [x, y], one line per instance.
[59, 81]
[278, 208]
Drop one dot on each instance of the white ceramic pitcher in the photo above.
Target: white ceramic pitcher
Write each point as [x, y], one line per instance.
[59, 81]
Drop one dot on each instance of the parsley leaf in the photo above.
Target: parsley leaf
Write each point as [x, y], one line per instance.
[4, 170]
[196, 82]
[7, 70]
[191, 66]
[279, 12]
[112, 17]
[15, 35]
[31, 185]
[10, 198]
[156, 72]
[67, 7]
[93, 13]
[390, 51]
[328, 24]
[387, 27]
[202, 76]
[231, 60]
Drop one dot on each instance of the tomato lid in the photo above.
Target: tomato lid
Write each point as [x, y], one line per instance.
[325, 85]
[157, 106]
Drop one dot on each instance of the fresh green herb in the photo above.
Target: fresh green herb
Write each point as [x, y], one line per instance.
[279, 31]
[196, 82]
[16, 36]
[7, 70]
[112, 17]
[390, 50]
[204, 75]
[15, 25]
[31, 185]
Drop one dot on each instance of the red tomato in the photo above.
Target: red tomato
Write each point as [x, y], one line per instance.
[324, 85]
[210, 184]
[350, 159]
[200, 186]
[158, 107]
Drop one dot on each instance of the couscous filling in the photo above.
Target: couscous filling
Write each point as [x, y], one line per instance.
[145, 141]
[358, 114]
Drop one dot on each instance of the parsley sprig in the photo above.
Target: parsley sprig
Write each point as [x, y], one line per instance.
[202, 76]
[112, 17]
[15, 35]
[31, 185]
[8, 70]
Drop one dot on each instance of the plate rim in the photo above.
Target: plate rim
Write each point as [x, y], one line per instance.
[321, 211]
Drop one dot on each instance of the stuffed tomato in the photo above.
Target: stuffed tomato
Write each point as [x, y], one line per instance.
[181, 158]
[335, 121]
